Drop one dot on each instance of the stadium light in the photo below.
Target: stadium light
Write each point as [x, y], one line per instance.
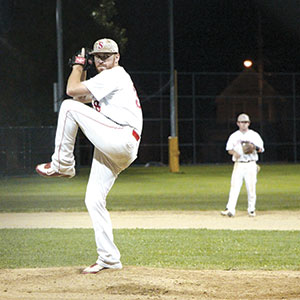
[248, 63]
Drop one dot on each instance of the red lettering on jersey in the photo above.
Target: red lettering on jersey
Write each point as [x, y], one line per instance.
[97, 105]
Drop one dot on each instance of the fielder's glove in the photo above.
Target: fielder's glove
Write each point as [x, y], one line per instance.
[248, 147]
[82, 58]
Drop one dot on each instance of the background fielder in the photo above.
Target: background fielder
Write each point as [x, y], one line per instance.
[113, 125]
[245, 167]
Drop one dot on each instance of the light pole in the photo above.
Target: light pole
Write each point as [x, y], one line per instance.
[173, 139]
[248, 63]
[59, 35]
[260, 69]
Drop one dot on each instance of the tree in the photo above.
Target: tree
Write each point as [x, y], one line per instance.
[103, 16]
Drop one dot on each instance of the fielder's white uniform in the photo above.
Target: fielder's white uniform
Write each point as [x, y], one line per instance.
[245, 168]
[114, 127]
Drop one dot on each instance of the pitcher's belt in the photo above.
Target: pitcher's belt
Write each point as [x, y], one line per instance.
[134, 133]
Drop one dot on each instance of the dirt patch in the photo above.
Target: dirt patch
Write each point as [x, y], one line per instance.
[140, 283]
[265, 220]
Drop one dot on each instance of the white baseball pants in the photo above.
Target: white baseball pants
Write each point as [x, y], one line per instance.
[115, 149]
[243, 171]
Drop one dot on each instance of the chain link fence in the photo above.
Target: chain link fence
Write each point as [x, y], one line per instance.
[207, 106]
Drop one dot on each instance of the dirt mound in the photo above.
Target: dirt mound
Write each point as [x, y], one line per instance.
[140, 283]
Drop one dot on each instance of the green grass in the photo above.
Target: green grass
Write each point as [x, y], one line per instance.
[184, 249]
[202, 187]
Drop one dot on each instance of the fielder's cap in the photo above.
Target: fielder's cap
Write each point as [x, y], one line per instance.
[105, 46]
[243, 118]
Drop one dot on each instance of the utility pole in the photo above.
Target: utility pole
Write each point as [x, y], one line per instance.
[260, 66]
[173, 139]
[60, 71]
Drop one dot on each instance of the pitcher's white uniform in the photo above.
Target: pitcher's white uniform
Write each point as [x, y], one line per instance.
[245, 168]
[114, 127]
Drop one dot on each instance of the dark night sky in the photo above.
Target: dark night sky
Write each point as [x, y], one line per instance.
[209, 36]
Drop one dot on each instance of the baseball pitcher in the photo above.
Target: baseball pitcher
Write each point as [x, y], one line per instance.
[243, 145]
[113, 125]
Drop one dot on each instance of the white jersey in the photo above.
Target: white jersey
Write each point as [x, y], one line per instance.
[235, 143]
[115, 97]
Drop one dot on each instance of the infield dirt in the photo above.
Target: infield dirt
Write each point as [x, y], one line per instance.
[141, 283]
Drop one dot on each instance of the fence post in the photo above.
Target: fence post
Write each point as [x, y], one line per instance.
[173, 154]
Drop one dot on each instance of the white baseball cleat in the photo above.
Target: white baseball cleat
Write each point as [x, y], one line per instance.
[93, 269]
[46, 170]
[252, 214]
[227, 213]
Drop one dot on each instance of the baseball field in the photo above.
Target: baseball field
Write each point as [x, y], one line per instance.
[173, 241]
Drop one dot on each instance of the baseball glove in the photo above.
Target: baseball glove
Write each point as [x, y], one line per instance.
[82, 58]
[248, 147]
